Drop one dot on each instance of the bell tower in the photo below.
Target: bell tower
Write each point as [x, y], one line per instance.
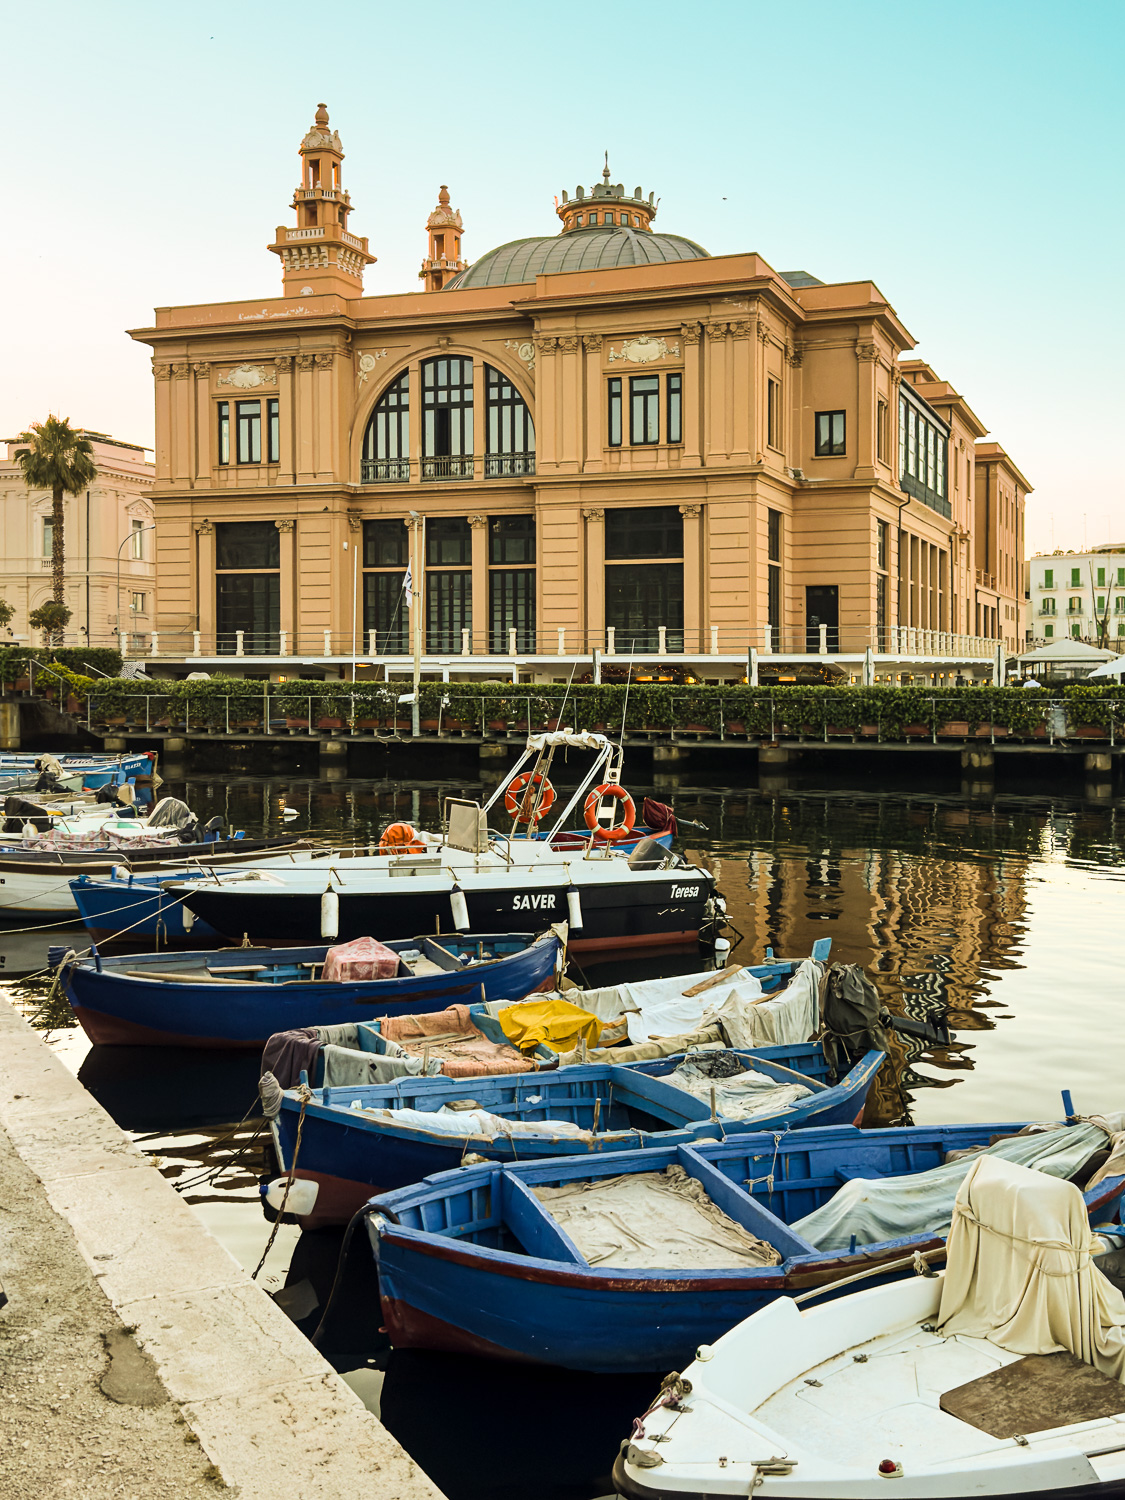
[444, 259]
[320, 256]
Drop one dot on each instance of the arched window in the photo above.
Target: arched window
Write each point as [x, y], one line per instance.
[511, 432]
[447, 418]
[386, 443]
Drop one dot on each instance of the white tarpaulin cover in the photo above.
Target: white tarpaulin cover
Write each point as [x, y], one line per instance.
[1019, 1269]
[571, 739]
[884, 1208]
[792, 1015]
[475, 1122]
[737, 1097]
[652, 1221]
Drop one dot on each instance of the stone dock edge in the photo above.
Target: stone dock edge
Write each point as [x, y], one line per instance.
[270, 1413]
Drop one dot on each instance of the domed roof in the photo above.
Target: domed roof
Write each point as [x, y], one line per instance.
[599, 248]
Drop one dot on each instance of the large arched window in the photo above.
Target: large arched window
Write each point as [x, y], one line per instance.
[511, 432]
[386, 443]
[447, 418]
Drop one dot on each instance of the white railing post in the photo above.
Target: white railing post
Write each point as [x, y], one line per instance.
[662, 638]
[752, 675]
[196, 648]
[611, 640]
[466, 644]
[371, 638]
[239, 643]
[823, 640]
[714, 640]
[767, 640]
[283, 647]
[154, 646]
[562, 640]
[328, 643]
[512, 641]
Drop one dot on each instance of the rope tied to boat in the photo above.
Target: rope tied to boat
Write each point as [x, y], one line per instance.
[769, 1178]
[305, 1095]
[1082, 1256]
[674, 1388]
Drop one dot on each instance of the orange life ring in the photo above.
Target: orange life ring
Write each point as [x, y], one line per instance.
[629, 812]
[523, 808]
[400, 838]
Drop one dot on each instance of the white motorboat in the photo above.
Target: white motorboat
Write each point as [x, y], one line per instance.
[1000, 1376]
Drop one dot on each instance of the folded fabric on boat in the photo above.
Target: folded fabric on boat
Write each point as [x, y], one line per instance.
[554, 1023]
[451, 1037]
[708, 1036]
[1019, 1270]
[884, 1208]
[652, 1221]
[344, 1067]
[791, 1015]
[96, 838]
[363, 958]
[739, 1093]
[469, 1123]
[659, 1007]
[288, 1054]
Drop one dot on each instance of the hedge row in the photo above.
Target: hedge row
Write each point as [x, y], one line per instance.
[481, 705]
[17, 661]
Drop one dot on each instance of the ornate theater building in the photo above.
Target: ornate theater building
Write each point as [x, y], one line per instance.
[601, 439]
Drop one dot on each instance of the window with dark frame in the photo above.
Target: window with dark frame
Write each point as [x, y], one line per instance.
[773, 413]
[830, 434]
[273, 432]
[510, 432]
[644, 576]
[650, 531]
[386, 552]
[881, 532]
[675, 387]
[447, 418]
[386, 442]
[614, 411]
[881, 431]
[773, 572]
[247, 585]
[511, 587]
[248, 418]
[923, 458]
[223, 409]
[773, 535]
[644, 410]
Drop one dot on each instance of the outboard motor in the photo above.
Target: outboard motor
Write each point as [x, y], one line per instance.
[213, 831]
[174, 816]
[649, 854]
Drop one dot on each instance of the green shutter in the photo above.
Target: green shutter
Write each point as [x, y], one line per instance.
[1049, 578]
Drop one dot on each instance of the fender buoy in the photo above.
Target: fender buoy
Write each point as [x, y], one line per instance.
[628, 813]
[519, 801]
[400, 838]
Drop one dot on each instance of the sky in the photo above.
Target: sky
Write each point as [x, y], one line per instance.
[966, 158]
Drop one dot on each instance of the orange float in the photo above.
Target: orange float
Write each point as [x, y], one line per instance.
[520, 802]
[628, 812]
[401, 838]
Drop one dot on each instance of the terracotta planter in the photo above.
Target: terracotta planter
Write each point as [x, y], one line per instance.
[957, 727]
[296, 723]
[458, 726]
[428, 726]
[736, 726]
[695, 728]
[1091, 732]
[330, 723]
[915, 729]
[869, 729]
[370, 725]
[498, 725]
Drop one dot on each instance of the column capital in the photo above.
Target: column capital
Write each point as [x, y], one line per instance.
[476, 522]
[594, 513]
[204, 528]
[285, 525]
[691, 333]
[305, 361]
[691, 512]
[203, 369]
[161, 371]
[355, 521]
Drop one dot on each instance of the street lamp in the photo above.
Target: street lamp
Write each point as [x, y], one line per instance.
[128, 537]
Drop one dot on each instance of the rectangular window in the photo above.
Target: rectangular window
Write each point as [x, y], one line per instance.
[386, 544]
[675, 408]
[881, 544]
[773, 413]
[449, 542]
[511, 605]
[1048, 631]
[249, 420]
[639, 598]
[1101, 578]
[449, 609]
[773, 601]
[48, 536]
[250, 602]
[137, 541]
[1076, 578]
[881, 609]
[447, 418]
[511, 539]
[386, 611]
[773, 535]
[1101, 604]
[224, 431]
[911, 441]
[829, 434]
[1121, 627]
[644, 409]
[137, 604]
[901, 437]
[1121, 578]
[273, 438]
[940, 465]
[881, 432]
[1048, 578]
[650, 532]
[247, 544]
[614, 413]
[1119, 605]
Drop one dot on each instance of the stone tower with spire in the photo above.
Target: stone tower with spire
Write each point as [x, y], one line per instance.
[607, 205]
[444, 259]
[320, 256]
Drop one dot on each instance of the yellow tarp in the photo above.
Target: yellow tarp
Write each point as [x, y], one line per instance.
[556, 1022]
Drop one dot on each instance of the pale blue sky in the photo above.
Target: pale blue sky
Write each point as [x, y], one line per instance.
[967, 158]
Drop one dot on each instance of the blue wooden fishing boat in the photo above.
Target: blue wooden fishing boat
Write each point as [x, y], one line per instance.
[472, 1260]
[137, 905]
[237, 997]
[352, 1144]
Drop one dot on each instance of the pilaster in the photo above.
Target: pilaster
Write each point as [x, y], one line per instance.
[288, 547]
[286, 391]
[201, 444]
[481, 613]
[691, 335]
[205, 578]
[182, 464]
[591, 441]
[867, 356]
[694, 623]
[304, 415]
[594, 518]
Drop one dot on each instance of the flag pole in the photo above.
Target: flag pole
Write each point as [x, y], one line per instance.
[417, 546]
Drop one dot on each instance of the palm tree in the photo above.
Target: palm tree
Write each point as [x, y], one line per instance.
[59, 459]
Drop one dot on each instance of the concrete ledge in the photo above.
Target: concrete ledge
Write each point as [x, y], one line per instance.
[270, 1413]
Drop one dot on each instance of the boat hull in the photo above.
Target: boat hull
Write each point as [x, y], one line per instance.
[115, 909]
[118, 1009]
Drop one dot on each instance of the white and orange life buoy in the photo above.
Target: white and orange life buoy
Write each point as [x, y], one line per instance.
[615, 833]
[401, 838]
[529, 798]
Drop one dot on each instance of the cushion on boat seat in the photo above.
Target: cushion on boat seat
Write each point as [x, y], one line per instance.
[363, 958]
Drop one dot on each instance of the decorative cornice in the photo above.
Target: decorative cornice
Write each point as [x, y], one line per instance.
[285, 525]
[594, 513]
[691, 512]
[478, 522]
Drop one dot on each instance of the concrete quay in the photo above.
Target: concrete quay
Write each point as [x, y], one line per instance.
[139, 1358]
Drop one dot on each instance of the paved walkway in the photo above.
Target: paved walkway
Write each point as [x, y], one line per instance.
[137, 1358]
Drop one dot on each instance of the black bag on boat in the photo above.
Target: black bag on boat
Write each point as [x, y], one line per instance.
[18, 811]
[853, 1021]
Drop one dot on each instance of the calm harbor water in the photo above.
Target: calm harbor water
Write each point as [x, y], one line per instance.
[994, 914]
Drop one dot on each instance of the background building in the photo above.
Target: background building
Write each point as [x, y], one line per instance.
[114, 516]
[1078, 594]
[607, 438]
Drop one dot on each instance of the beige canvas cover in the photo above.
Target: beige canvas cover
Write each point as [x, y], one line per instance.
[1020, 1271]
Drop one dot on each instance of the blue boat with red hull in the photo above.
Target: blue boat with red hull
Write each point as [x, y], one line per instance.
[238, 997]
[474, 1261]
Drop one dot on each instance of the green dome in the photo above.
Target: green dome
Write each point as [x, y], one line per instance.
[600, 248]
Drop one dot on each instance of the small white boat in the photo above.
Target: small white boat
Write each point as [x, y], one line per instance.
[1000, 1376]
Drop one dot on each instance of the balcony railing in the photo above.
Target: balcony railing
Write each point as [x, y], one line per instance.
[1050, 613]
[450, 466]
